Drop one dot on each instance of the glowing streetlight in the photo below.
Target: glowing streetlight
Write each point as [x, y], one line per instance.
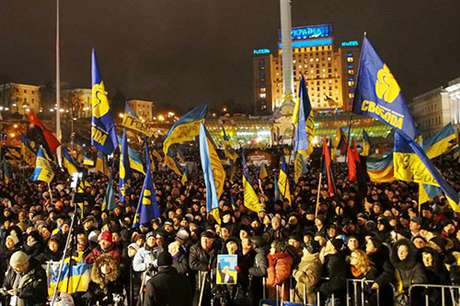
[121, 115]
[161, 118]
[224, 109]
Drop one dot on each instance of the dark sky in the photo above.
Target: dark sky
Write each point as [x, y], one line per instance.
[185, 52]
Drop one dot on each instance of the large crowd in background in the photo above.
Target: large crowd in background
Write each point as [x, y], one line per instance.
[286, 250]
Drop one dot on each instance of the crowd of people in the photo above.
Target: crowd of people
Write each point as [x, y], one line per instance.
[290, 251]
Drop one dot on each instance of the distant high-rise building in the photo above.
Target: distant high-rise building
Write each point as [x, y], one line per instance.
[329, 70]
[20, 98]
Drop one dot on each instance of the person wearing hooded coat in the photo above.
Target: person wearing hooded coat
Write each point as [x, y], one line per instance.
[308, 273]
[408, 271]
[336, 269]
[435, 273]
[259, 269]
[105, 281]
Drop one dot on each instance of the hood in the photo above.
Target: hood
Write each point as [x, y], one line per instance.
[434, 254]
[96, 274]
[411, 259]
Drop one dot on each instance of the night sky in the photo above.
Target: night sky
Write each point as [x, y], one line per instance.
[180, 53]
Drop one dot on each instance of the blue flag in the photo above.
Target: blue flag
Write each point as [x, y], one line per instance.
[125, 169]
[300, 137]
[130, 111]
[207, 160]
[147, 209]
[103, 134]
[109, 198]
[378, 95]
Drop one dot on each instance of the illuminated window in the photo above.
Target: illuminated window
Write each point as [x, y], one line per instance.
[263, 95]
[350, 59]
[263, 89]
[317, 59]
[311, 59]
[329, 58]
[351, 71]
[351, 83]
[351, 95]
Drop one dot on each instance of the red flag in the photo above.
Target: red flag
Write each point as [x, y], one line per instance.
[52, 141]
[352, 174]
[328, 164]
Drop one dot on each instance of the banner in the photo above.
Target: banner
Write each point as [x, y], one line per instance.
[136, 124]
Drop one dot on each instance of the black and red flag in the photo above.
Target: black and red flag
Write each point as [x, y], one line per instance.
[41, 135]
[356, 170]
[329, 168]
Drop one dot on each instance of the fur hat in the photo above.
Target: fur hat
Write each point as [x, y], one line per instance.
[18, 258]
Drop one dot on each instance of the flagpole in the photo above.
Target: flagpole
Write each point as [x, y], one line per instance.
[319, 184]
[58, 88]
[350, 121]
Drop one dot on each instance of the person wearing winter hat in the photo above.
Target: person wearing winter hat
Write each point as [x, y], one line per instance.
[336, 269]
[145, 259]
[308, 273]
[168, 287]
[25, 282]
[105, 247]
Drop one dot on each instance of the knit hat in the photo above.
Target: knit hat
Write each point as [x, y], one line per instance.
[149, 234]
[182, 234]
[134, 246]
[164, 259]
[14, 238]
[106, 235]
[18, 258]
[208, 234]
[337, 243]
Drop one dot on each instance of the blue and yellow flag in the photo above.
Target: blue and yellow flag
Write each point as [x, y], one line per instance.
[366, 144]
[303, 120]
[100, 164]
[43, 171]
[214, 173]
[378, 95]
[134, 161]
[180, 156]
[381, 169]
[69, 164]
[456, 152]
[172, 164]
[283, 182]
[263, 171]
[103, 134]
[443, 142]
[87, 161]
[184, 176]
[340, 141]
[229, 151]
[74, 277]
[125, 169]
[147, 209]
[28, 150]
[6, 173]
[413, 165]
[277, 191]
[109, 198]
[251, 200]
[157, 155]
[187, 128]
[427, 192]
[299, 167]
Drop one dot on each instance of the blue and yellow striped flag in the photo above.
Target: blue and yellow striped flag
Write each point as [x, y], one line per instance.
[74, 278]
[443, 142]
[251, 200]
[427, 192]
[214, 173]
[125, 169]
[134, 161]
[6, 173]
[299, 166]
[184, 176]
[283, 182]
[100, 164]
[413, 165]
[103, 133]
[87, 161]
[172, 164]
[187, 128]
[263, 171]
[302, 118]
[69, 164]
[366, 144]
[381, 169]
[147, 209]
[28, 150]
[43, 171]
[228, 148]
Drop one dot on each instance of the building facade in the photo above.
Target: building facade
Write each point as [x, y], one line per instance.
[437, 108]
[143, 109]
[20, 98]
[329, 70]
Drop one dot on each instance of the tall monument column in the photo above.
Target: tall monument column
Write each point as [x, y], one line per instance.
[286, 41]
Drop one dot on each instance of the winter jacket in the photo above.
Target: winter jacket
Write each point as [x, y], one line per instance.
[408, 271]
[436, 274]
[200, 260]
[97, 251]
[103, 287]
[385, 270]
[145, 257]
[279, 270]
[259, 269]
[363, 289]
[180, 263]
[309, 275]
[168, 288]
[32, 285]
[336, 270]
